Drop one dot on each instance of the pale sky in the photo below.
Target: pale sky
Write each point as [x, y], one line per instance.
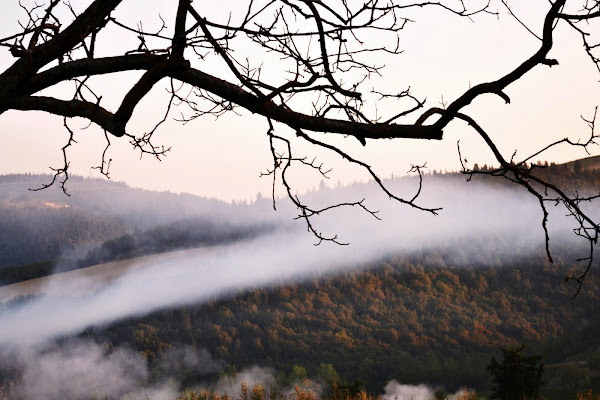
[443, 55]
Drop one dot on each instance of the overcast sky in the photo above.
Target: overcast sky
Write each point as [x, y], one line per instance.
[443, 55]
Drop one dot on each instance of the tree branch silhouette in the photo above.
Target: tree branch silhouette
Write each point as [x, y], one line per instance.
[326, 68]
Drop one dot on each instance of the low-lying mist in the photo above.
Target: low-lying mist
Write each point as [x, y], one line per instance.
[75, 369]
[471, 212]
[79, 369]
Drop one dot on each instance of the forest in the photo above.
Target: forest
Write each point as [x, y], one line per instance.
[433, 316]
[396, 318]
[42, 232]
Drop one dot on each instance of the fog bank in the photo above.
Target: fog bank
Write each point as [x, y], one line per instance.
[75, 369]
[471, 212]
[78, 369]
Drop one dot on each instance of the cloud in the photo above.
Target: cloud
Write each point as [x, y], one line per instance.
[396, 391]
[75, 369]
[472, 213]
[252, 376]
[185, 359]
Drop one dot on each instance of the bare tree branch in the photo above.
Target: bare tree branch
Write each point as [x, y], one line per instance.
[324, 67]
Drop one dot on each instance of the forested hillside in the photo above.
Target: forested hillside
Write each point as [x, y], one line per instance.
[424, 314]
[40, 231]
[40, 226]
[102, 221]
[135, 207]
[398, 318]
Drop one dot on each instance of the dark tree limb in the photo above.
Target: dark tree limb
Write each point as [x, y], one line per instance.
[323, 60]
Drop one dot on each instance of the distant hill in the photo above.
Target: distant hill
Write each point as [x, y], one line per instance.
[101, 219]
[431, 315]
[584, 164]
[32, 231]
[45, 225]
[134, 207]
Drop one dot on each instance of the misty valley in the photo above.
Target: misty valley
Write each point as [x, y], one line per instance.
[115, 292]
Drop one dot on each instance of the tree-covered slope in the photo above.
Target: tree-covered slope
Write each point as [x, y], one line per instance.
[41, 226]
[396, 319]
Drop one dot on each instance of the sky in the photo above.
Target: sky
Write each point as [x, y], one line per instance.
[443, 55]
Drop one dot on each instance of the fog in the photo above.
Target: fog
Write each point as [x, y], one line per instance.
[253, 376]
[75, 369]
[472, 212]
[394, 390]
[397, 391]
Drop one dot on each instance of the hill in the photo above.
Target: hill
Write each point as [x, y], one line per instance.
[584, 164]
[103, 221]
[397, 318]
[428, 306]
[44, 226]
[135, 207]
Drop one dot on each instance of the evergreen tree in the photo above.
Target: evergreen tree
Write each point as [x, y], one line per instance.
[518, 377]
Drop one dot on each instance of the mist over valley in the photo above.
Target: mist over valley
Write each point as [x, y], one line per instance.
[414, 302]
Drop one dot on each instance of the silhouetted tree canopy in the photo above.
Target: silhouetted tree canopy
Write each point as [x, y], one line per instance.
[325, 69]
[517, 377]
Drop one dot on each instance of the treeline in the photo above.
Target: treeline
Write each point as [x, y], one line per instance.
[137, 207]
[10, 275]
[34, 232]
[182, 234]
[581, 176]
[177, 235]
[395, 319]
[40, 226]
[119, 221]
[303, 391]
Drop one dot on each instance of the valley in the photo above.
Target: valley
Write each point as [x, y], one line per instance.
[245, 292]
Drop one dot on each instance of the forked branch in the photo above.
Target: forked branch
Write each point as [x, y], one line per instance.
[323, 67]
